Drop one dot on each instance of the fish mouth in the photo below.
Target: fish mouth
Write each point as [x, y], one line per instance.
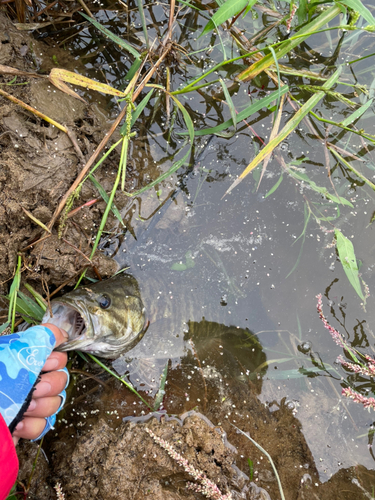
[74, 320]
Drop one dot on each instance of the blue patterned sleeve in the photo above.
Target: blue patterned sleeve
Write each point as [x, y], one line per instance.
[22, 356]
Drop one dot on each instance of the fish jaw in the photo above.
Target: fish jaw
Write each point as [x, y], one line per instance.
[75, 320]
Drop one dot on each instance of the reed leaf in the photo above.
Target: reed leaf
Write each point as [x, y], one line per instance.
[112, 36]
[289, 127]
[226, 11]
[289, 45]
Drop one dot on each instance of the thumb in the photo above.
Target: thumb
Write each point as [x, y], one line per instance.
[61, 335]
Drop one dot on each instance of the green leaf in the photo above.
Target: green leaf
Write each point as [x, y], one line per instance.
[188, 120]
[105, 197]
[28, 309]
[288, 128]
[141, 106]
[161, 392]
[4, 326]
[226, 11]
[348, 260]
[132, 71]
[39, 299]
[358, 6]
[228, 98]
[322, 190]
[357, 114]
[112, 36]
[242, 115]
[273, 189]
[285, 48]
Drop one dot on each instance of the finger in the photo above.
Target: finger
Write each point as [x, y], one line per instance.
[43, 407]
[55, 361]
[30, 428]
[60, 334]
[51, 384]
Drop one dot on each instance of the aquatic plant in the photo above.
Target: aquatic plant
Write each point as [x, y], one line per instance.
[362, 364]
[207, 487]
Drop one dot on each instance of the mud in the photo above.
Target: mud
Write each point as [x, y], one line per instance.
[39, 163]
[104, 455]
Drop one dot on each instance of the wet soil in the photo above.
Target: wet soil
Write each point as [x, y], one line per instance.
[39, 163]
[97, 452]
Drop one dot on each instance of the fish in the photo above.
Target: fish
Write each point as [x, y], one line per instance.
[107, 318]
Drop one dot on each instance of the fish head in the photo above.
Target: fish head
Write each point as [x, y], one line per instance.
[107, 318]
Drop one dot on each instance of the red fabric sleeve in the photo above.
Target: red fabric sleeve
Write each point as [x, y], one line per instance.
[8, 461]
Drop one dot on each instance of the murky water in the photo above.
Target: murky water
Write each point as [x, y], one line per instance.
[249, 261]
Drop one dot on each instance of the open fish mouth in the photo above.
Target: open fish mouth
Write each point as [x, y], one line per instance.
[74, 321]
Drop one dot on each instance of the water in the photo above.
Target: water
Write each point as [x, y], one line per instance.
[251, 261]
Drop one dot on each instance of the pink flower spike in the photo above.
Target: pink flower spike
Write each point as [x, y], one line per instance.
[358, 398]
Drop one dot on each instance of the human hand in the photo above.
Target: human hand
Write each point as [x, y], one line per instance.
[45, 399]
[45, 396]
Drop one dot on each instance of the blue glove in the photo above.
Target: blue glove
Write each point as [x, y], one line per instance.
[22, 356]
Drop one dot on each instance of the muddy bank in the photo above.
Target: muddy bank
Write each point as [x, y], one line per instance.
[39, 163]
[96, 454]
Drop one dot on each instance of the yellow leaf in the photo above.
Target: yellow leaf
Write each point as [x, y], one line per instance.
[83, 81]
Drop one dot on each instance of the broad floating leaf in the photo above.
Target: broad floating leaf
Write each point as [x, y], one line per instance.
[348, 260]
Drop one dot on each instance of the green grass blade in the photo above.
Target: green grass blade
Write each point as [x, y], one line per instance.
[278, 77]
[226, 11]
[29, 309]
[188, 120]
[228, 98]
[357, 114]
[132, 71]
[273, 188]
[15, 286]
[358, 6]
[242, 115]
[141, 106]
[105, 197]
[112, 36]
[350, 167]
[143, 21]
[289, 127]
[129, 386]
[300, 176]
[161, 392]
[3, 327]
[348, 260]
[289, 45]
[164, 176]
[269, 458]
[39, 299]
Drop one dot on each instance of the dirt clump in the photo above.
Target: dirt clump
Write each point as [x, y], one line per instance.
[109, 465]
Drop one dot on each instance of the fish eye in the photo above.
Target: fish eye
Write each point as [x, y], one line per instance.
[104, 302]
